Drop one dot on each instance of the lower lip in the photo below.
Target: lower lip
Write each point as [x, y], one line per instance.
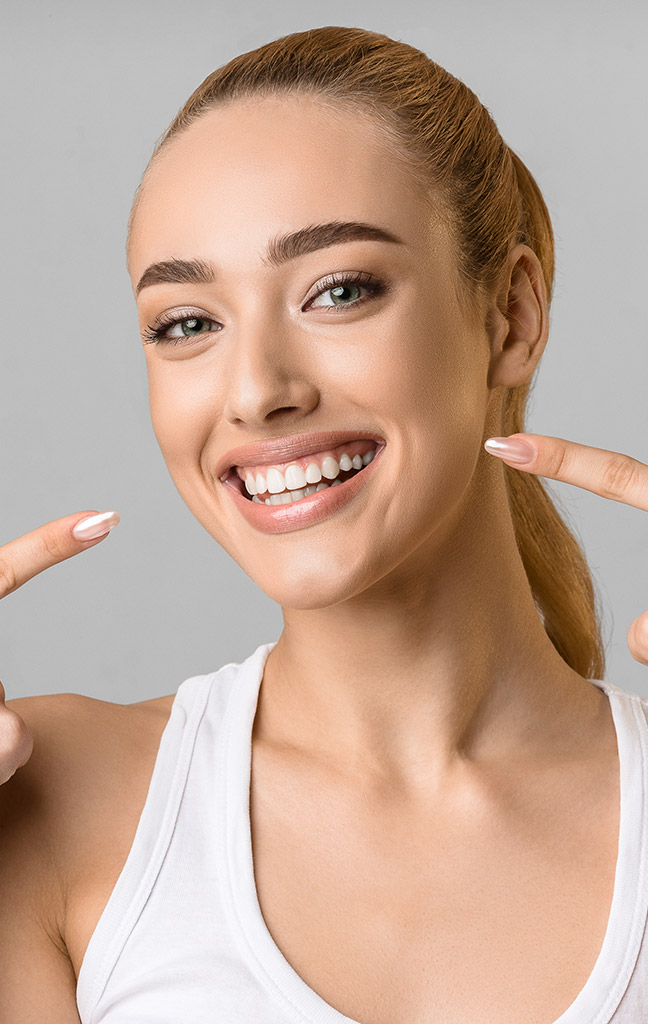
[307, 511]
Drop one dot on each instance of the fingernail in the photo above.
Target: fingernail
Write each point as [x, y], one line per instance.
[95, 526]
[513, 451]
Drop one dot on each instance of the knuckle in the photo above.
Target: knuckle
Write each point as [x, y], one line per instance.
[619, 477]
[638, 640]
[52, 545]
[556, 459]
[15, 740]
[10, 729]
[8, 578]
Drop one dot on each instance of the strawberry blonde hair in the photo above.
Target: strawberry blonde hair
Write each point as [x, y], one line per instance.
[456, 151]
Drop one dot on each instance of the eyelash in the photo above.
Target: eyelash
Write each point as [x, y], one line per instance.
[155, 334]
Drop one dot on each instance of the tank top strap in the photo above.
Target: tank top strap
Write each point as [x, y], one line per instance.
[151, 841]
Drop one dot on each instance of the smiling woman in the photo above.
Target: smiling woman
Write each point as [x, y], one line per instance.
[423, 801]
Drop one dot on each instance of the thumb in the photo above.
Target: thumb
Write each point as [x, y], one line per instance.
[638, 639]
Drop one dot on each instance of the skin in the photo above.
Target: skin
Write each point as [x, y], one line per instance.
[413, 676]
[411, 649]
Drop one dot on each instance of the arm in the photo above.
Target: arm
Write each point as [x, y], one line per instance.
[37, 980]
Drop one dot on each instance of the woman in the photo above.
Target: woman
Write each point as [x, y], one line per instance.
[423, 802]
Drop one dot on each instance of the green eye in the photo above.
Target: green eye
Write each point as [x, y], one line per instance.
[178, 330]
[346, 289]
[195, 325]
[338, 292]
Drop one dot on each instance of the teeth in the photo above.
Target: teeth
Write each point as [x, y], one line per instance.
[313, 473]
[276, 482]
[294, 483]
[289, 496]
[330, 467]
[280, 499]
[295, 477]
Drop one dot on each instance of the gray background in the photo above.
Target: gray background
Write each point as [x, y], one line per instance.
[87, 88]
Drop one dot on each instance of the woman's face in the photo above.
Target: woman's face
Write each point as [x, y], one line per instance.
[267, 351]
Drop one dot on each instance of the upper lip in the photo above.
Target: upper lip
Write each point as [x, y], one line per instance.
[286, 449]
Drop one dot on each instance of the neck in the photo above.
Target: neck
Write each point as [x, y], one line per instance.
[445, 661]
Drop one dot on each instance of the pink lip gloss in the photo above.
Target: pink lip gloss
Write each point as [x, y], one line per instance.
[308, 511]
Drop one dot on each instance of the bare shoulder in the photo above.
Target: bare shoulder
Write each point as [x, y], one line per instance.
[87, 753]
[82, 746]
[80, 793]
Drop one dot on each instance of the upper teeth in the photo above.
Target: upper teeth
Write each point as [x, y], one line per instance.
[294, 477]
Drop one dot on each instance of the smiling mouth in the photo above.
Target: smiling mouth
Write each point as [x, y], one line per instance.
[290, 483]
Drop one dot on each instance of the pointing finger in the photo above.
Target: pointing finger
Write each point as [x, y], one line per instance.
[609, 474]
[25, 557]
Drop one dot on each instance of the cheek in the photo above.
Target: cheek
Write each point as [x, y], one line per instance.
[437, 397]
[182, 415]
[431, 377]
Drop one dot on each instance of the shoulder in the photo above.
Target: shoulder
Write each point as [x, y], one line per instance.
[87, 754]
[83, 748]
[76, 738]
[86, 774]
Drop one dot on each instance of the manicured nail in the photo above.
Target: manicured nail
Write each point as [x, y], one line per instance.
[513, 451]
[95, 526]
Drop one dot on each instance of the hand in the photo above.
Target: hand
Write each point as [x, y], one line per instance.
[19, 561]
[606, 473]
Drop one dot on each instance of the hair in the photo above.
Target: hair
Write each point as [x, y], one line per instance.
[454, 148]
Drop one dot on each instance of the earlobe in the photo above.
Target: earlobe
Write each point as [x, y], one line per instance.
[518, 321]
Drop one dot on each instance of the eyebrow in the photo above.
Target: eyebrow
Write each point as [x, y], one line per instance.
[279, 251]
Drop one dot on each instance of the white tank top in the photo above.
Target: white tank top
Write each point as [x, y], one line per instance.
[182, 937]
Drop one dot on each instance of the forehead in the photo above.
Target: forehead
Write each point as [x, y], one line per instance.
[253, 168]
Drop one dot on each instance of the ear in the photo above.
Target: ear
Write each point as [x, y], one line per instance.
[518, 320]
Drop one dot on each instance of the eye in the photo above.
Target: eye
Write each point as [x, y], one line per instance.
[178, 329]
[191, 327]
[345, 290]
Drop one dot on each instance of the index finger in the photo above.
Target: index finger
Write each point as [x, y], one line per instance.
[609, 474]
[25, 557]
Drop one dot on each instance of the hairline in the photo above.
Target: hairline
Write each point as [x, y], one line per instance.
[435, 200]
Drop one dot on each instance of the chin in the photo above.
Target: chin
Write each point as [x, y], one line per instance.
[309, 590]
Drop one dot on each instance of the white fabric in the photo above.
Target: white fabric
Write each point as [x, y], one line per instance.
[182, 937]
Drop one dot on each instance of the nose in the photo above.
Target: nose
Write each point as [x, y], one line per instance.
[268, 377]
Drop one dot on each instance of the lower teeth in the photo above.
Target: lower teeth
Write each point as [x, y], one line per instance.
[288, 497]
